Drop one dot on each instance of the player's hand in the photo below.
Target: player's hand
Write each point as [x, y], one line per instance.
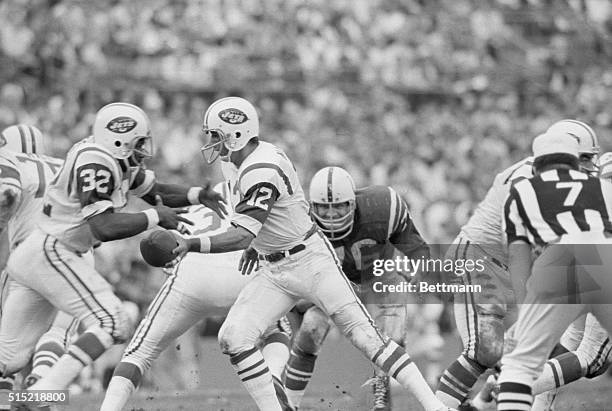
[248, 261]
[213, 200]
[180, 251]
[170, 219]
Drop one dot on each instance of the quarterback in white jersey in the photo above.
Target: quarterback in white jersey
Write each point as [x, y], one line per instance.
[52, 268]
[297, 261]
[201, 285]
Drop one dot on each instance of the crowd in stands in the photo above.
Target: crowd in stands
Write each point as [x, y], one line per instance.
[432, 97]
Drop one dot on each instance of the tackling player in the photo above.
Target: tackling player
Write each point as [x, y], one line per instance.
[200, 285]
[297, 260]
[53, 268]
[363, 225]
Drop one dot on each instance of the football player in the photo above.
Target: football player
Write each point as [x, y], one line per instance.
[52, 268]
[25, 172]
[482, 320]
[296, 259]
[363, 225]
[200, 285]
[560, 211]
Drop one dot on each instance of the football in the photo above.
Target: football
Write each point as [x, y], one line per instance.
[156, 248]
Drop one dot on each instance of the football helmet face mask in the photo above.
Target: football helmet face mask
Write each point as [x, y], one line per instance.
[604, 164]
[229, 124]
[125, 130]
[587, 139]
[332, 202]
[23, 138]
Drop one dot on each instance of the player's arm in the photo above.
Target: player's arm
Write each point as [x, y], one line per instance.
[145, 186]
[402, 232]
[257, 199]
[519, 245]
[96, 178]
[10, 191]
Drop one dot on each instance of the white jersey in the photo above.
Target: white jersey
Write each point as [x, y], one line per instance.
[271, 203]
[90, 182]
[485, 226]
[30, 175]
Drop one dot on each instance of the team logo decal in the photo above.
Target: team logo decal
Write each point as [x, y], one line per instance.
[233, 116]
[121, 124]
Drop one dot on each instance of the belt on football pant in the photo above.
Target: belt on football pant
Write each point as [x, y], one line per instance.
[279, 255]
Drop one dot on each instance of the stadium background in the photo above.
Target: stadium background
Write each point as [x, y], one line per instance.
[431, 97]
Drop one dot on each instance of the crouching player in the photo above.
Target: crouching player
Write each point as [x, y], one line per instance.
[363, 225]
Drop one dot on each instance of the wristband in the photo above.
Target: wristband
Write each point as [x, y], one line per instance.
[152, 217]
[205, 244]
[193, 195]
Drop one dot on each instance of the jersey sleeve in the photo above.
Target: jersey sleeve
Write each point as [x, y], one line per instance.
[96, 176]
[402, 232]
[513, 224]
[259, 189]
[142, 182]
[10, 190]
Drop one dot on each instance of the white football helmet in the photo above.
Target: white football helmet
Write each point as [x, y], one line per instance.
[229, 124]
[604, 164]
[125, 130]
[587, 139]
[332, 201]
[23, 138]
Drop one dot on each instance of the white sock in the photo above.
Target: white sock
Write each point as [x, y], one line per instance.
[118, 393]
[60, 375]
[276, 355]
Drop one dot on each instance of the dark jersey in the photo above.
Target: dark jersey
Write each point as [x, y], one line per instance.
[382, 225]
[542, 209]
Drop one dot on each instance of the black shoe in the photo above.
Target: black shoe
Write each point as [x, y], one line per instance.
[282, 395]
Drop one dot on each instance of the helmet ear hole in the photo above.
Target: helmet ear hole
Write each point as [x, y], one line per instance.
[117, 143]
[238, 134]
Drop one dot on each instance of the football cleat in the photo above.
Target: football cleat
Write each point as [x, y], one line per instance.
[382, 393]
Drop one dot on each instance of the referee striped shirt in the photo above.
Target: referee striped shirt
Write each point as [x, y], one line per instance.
[541, 209]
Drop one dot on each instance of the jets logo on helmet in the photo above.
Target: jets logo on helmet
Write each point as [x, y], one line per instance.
[124, 130]
[233, 116]
[229, 124]
[23, 138]
[121, 125]
[332, 201]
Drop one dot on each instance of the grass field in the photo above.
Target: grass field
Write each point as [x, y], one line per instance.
[336, 386]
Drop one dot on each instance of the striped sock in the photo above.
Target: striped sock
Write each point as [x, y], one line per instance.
[514, 396]
[275, 350]
[87, 348]
[298, 373]
[559, 371]
[457, 381]
[394, 361]
[46, 355]
[256, 378]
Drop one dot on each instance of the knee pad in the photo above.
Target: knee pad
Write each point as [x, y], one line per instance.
[313, 331]
[236, 338]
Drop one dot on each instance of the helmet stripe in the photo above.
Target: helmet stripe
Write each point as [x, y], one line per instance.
[587, 128]
[33, 137]
[330, 194]
[23, 139]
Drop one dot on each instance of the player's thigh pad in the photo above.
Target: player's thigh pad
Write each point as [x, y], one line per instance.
[261, 302]
[70, 282]
[27, 315]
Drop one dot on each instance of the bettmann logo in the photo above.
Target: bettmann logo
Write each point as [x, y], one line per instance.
[233, 116]
[121, 125]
